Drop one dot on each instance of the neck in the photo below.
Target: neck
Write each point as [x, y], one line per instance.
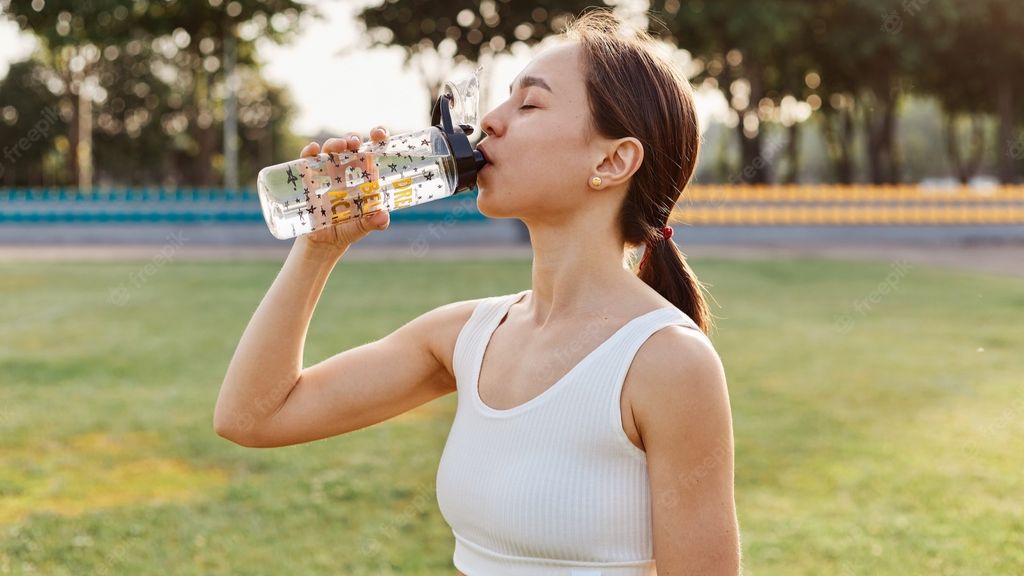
[577, 268]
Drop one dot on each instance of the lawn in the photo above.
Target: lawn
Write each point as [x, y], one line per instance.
[878, 411]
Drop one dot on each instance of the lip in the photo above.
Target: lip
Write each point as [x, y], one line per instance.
[487, 155]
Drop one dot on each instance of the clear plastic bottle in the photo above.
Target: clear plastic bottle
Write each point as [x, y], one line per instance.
[405, 170]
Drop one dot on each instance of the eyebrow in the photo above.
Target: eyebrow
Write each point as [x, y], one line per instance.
[528, 81]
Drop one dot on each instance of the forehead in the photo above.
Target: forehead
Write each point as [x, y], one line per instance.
[559, 66]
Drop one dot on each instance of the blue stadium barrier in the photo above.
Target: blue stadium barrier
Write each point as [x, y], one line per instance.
[181, 205]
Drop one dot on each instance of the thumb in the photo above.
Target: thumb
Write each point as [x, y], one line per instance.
[381, 220]
[354, 230]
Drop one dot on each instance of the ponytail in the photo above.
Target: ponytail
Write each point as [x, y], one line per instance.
[664, 268]
[633, 91]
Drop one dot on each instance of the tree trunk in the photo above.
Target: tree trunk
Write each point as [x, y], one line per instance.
[977, 146]
[754, 169]
[202, 127]
[793, 154]
[71, 161]
[230, 112]
[966, 163]
[1006, 124]
[880, 127]
[847, 147]
[953, 149]
[837, 128]
[755, 165]
[890, 148]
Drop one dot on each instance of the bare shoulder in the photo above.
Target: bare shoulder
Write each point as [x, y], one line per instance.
[677, 379]
[682, 412]
[439, 328]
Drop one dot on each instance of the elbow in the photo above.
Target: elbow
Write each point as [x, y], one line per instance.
[237, 428]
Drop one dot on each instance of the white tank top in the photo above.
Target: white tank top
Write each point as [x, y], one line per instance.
[553, 486]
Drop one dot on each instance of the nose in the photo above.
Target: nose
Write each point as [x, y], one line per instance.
[489, 123]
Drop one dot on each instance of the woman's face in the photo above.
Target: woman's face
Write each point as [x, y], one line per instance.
[537, 140]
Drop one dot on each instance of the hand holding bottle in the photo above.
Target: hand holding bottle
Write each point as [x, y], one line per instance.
[351, 180]
[340, 236]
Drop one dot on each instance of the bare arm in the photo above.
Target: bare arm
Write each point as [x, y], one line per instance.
[683, 415]
[268, 360]
[267, 399]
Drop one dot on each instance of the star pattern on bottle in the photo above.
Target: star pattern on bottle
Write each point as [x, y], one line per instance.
[311, 209]
[338, 179]
[366, 175]
[334, 159]
[425, 142]
[428, 175]
[292, 179]
[394, 168]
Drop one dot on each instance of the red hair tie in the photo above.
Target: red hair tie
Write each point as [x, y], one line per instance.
[666, 233]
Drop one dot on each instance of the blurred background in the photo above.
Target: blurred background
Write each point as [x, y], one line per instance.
[857, 216]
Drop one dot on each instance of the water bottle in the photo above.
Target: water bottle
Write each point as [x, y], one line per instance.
[404, 170]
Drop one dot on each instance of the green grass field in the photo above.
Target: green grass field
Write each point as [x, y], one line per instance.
[878, 412]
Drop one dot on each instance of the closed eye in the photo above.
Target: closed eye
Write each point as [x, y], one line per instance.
[525, 106]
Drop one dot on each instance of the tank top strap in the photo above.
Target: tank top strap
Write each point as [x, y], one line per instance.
[473, 338]
[628, 342]
[633, 336]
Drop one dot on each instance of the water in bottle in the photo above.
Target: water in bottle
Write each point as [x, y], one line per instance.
[308, 194]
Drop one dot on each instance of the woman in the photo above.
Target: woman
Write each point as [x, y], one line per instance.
[609, 451]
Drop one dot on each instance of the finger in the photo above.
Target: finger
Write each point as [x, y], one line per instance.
[354, 141]
[354, 230]
[379, 133]
[381, 220]
[311, 149]
[335, 145]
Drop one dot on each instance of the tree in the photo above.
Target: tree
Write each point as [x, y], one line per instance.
[438, 36]
[31, 122]
[75, 33]
[749, 51]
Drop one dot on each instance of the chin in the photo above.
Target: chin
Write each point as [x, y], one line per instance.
[489, 202]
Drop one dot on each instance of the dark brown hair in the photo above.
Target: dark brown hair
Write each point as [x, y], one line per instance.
[633, 91]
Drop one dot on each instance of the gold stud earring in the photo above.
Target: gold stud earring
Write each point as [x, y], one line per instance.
[595, 181]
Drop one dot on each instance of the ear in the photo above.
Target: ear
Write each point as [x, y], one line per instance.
[621, 159]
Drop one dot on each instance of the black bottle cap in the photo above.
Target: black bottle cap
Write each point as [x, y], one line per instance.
[468, 160]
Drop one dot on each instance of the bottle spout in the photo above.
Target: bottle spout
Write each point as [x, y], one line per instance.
[455, 114]
[468, 160]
